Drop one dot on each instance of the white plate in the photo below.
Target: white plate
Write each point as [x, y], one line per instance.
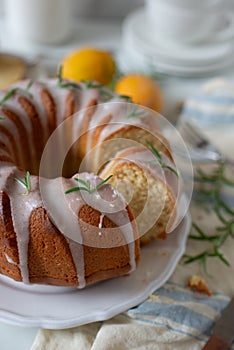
[169, 56]
[63, 307]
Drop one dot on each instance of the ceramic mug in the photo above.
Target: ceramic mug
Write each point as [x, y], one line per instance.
[39, 21]
[190, 21]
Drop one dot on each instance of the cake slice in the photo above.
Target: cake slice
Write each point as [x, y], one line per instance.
[149, 183]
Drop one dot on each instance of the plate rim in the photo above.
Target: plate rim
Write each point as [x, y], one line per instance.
[47, 322]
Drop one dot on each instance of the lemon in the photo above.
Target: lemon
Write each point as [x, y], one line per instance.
[89, 64]
[142, 89]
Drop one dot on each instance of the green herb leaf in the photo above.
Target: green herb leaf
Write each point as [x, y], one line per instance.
[60, 73]
[135, 111]
[30, 83]
[171, 169]
[87, 185]
[26, 90]
[128, 98]
[202, 236]
[159, 158]
[198, 229]
[65, 84]
[79, 188]
[8, 95]
[25, 182]
[212, 199]
[89, 84]
[13, 91]
[191, 259]
[103, 182]
[94, 85]
[155, 151]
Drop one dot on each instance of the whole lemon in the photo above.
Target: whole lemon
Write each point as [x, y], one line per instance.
[142, 89]
[89, 64]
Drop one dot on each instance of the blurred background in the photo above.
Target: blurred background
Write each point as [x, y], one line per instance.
[100, 8]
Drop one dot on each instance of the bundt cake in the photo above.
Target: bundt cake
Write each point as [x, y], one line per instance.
[149, 182]
[35, 246]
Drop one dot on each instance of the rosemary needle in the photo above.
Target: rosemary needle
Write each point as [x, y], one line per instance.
[87, 185]
[212, 199]
[160, 159]
[13, 91]
[25, 182]
[63, 84]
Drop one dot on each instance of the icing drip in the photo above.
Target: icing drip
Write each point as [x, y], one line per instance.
[111, 204]
[6, 171]
[77, 252]
[121, 219]
[100, 223]
[63, 211]
[22, 206]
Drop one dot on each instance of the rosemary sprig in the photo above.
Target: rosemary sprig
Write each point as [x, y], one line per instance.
[13, 91]
[216, 242]
[103, 182]
[65, 84]
[212, 199]
[159, 158]
[8, 95]
[94, 85]
[30, 83]
[25, 182]
[1, 117]
[87, 185]
[201, 235]
[135, 112]
[125, 97]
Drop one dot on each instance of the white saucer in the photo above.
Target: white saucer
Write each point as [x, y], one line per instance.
[133, 61]
[168, 56]
[62, 307]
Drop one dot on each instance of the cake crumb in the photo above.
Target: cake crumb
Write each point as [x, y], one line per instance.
[197, 283]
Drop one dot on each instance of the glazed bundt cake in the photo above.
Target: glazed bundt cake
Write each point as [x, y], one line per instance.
[34, 250]
[36, 244]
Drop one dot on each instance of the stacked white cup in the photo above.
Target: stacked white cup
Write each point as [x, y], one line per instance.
[39, 21]
[190, 21]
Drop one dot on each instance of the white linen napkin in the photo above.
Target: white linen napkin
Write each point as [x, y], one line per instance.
[174, 317]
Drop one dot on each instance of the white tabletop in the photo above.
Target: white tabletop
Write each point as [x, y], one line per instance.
[106, 35]
[13, 337]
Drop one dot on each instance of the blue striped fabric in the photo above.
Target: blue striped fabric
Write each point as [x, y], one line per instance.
[181, 311]
[213, 104]
[216, 99]
[201, 115]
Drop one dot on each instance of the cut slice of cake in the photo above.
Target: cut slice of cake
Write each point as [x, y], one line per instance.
[149, 185]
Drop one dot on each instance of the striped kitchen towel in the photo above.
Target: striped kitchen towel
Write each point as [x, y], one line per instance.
[172, 318]
[212, 104]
